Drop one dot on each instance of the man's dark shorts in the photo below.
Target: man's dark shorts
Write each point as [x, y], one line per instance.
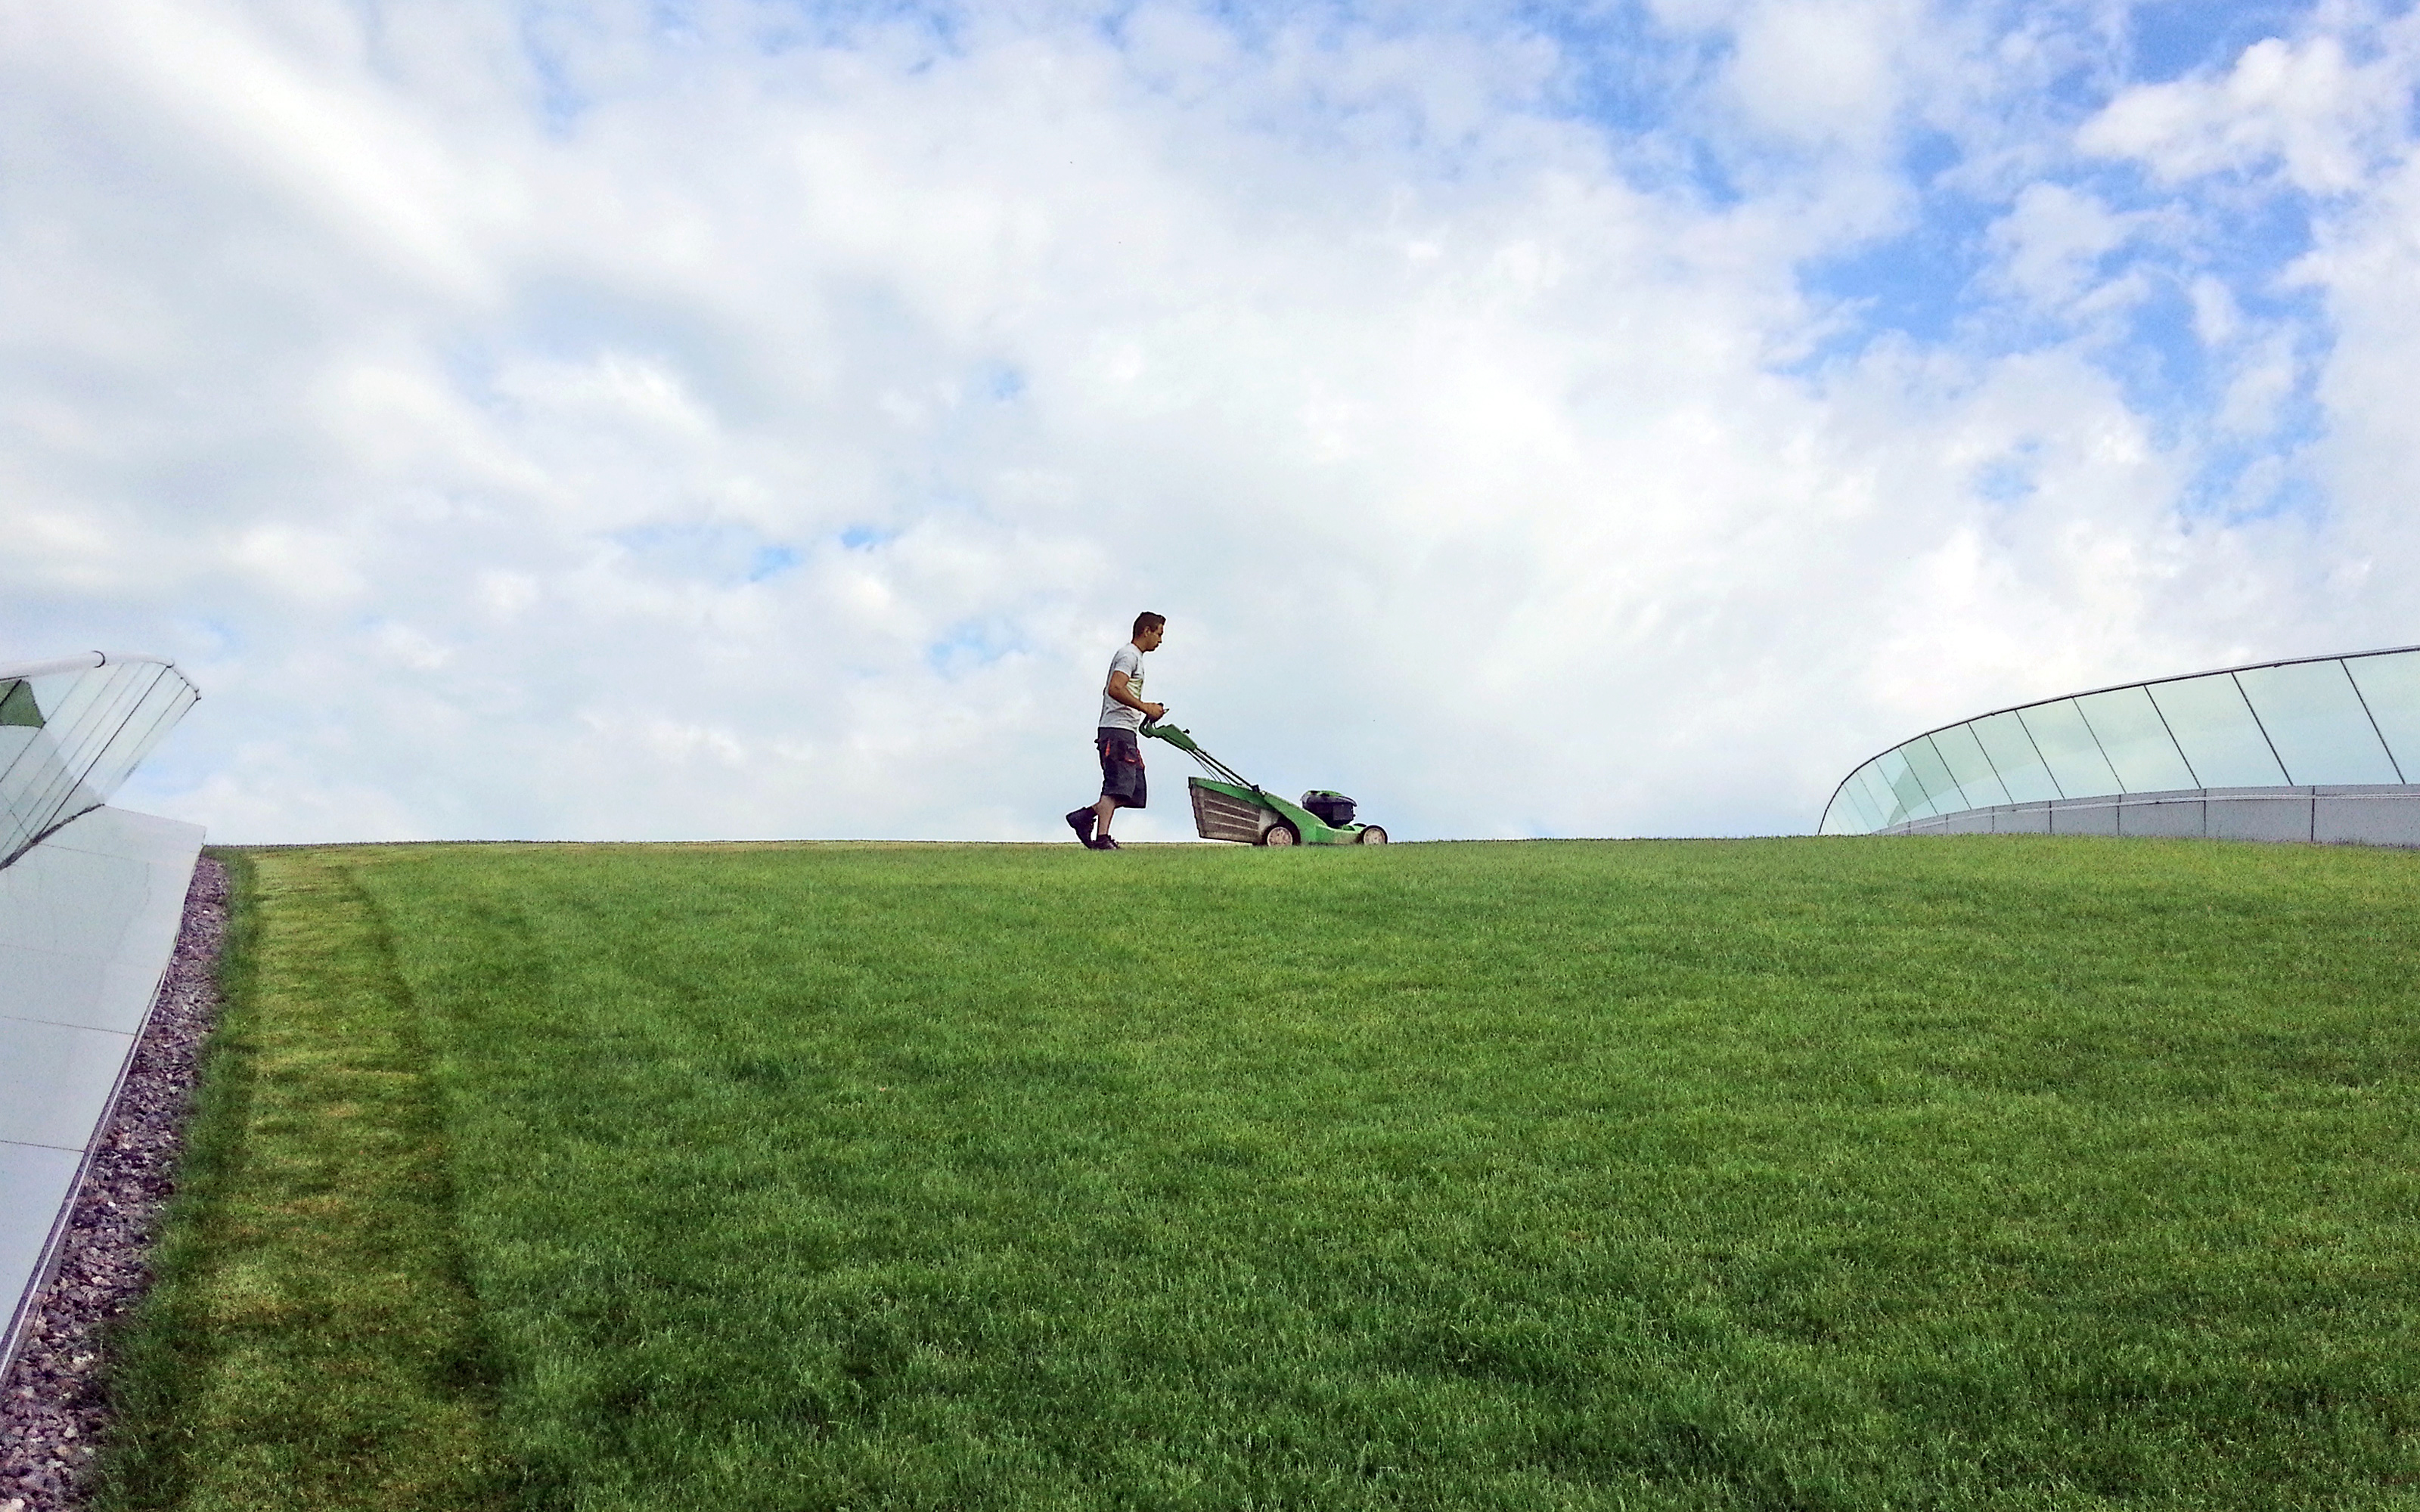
[1121, 767]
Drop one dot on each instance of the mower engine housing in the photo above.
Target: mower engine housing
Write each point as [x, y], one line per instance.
[1333, 808]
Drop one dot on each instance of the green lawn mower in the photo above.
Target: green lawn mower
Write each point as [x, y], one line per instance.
[1226, 807]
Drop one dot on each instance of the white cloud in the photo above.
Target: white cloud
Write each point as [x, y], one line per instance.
[713, 432]
[2304, 106]
[2216, 314]
[2261, 385]
[2053, 241]
[1822, 73]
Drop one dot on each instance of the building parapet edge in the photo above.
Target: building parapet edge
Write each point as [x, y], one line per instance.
[2375, 814]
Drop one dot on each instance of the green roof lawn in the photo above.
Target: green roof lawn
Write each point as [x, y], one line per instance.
[1790, 1174]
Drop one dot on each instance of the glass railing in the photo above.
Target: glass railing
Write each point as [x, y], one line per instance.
[2323, 721]
[70, 731]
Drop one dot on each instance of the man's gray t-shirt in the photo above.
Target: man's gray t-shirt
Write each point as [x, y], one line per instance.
[1114, 714]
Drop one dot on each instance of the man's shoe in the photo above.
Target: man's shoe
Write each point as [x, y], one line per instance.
[1080, 820]
[1105, 843]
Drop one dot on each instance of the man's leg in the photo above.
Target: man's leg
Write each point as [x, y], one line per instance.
[1090, 823]
[1122, 784]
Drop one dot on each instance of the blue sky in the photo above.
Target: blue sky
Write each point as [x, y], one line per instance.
[677, 420]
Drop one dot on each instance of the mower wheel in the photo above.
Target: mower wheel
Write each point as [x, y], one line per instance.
[1281, 834]
[1372, 835]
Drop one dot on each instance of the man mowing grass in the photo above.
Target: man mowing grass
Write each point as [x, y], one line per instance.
[1118, 738]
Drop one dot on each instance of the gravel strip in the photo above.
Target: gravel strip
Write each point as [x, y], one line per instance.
[55, 1403]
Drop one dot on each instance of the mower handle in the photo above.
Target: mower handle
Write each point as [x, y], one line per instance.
[1181, 739]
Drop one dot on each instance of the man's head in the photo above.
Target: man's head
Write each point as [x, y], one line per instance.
[1150, 630]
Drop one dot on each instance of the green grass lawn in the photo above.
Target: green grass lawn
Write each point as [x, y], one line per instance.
[1794, 1174]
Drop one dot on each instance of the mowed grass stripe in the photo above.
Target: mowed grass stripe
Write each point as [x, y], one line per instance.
[1793, 1174]
[310, 1340]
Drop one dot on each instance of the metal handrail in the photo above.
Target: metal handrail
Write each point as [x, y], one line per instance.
[85, 662]
[2113, 687]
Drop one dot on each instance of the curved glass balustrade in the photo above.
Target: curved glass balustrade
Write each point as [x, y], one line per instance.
[70, 731]
[2319, 721]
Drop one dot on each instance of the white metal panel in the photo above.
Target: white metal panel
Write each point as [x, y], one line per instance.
[88, 920]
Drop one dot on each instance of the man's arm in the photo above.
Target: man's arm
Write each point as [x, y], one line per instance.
[1117, 689]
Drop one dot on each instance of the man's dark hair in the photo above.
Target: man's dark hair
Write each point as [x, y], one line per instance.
[1148, 620]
